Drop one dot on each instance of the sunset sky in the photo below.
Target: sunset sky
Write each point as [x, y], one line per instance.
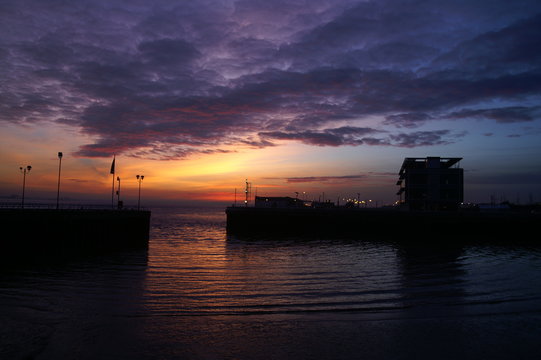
[310, 96]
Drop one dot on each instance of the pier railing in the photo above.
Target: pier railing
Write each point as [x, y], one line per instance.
[12, 205]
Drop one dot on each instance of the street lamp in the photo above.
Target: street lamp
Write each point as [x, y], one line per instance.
[24, 171]
[58, 188]
[140, 180]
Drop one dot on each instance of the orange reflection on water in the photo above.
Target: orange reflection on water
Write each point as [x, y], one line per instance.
[195, 269]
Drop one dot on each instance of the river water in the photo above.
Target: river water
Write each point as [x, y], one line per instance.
[197, 293]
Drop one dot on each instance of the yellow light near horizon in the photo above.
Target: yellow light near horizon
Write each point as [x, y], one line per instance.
[220, 173]
[244, 163]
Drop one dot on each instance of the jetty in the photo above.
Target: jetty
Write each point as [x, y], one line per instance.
[396, 224]
[430, 209]
[37, 235]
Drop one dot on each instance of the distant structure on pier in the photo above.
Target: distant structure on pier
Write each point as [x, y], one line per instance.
[286, 202]
[431, 183]
[277, 202]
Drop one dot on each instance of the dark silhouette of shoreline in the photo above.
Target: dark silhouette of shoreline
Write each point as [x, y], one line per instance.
[402, 226]
[43, 235]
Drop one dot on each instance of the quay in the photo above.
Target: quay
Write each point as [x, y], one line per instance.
[382, 223]
[430, 209]
[30, 235]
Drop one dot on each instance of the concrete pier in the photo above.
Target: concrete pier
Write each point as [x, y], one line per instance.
[385, 223]
[30, 235]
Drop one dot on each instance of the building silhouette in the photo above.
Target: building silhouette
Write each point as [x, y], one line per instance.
[431, 183]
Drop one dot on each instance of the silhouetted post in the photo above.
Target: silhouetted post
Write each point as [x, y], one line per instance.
[140, 180]
[112, 172]
[247, 192]
[24, 171]
[58, 188]
[118, 192]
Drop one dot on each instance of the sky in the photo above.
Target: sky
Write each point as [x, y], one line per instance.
[324, 98]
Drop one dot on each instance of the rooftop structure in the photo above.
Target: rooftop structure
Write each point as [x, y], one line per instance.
[277, 202]
[431, 183]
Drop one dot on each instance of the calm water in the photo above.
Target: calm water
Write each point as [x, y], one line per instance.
[199, 294]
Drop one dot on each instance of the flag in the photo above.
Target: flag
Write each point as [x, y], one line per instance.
[113, 166]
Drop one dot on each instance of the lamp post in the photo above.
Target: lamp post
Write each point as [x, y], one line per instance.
[24, 171]
[58, 188]
[140, 180]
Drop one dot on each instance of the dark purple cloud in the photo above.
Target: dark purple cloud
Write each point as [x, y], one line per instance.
[328, 137]
[325, 179]
[169, 80]
[407, 120]
[424, 138]
[336, 178]
[510, 114]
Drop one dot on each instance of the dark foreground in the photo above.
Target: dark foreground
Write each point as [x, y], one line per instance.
[198, 293]
[30, 235]
[400, 225]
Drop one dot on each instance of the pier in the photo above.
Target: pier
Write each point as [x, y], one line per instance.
[31, 235]
[397, 225]
[430, 209]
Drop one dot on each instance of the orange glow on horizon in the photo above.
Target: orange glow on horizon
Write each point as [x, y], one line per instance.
[205, 177]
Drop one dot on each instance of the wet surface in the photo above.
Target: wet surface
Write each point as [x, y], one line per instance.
[200, 294]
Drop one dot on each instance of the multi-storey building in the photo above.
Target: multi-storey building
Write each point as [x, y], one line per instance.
[431, 183]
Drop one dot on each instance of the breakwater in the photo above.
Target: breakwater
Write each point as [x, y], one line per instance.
[30, 235]
[384, 223]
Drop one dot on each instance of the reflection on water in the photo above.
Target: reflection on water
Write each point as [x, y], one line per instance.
[197, 269]
[72, 310]
[433, 278]
[199, 293]
[232, 276]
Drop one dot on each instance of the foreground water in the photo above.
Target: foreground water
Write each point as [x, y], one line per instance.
[199, 294]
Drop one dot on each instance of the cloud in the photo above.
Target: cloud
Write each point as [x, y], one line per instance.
[354, 137]
[167, 52]
[425, 138]
[509, 114]
[78, 180]
[407, 120]
[165, 80]
[336, 179]
[326, 179]
[514, 48]
[328, 137]
[165, 152]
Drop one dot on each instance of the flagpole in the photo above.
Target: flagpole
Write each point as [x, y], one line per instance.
[113, 193]
[113, 187]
